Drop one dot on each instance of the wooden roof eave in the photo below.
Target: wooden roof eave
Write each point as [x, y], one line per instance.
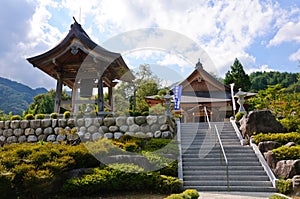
[78, 38]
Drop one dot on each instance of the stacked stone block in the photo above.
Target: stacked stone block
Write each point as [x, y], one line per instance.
[88, 129]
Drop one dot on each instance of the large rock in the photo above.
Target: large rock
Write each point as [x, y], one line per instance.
[270, 159]
[113, 129]
[15, 124]
[18, 132]
[97, 136]
[22, 139]
[103, 129]
[1, 124]
[134, 128]
[11, 139]
[130, 121]
[287, 168]
[260, 121]
[120, 121]
[51, 138]
[88, 122]
[35, 124]
[32, 138]
[151, 119]
[98, 121]
[71, 122]
[46, 123]
[24, 124]
[268, 145]
[92, 129]
[80, 122]
[29, 131]
[139, 120]
[38, 131]
[8, 132]
[124, 128]
[48, 131]
[109, 121]
[62, 123]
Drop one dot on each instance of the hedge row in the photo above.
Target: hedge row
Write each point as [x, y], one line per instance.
[287, 153]
[282, 138]
[36, 170]
[120, 177]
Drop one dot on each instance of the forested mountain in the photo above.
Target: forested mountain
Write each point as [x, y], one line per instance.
[16, 97]
[261, 80]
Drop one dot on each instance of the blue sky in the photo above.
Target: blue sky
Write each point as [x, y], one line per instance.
[263, 34]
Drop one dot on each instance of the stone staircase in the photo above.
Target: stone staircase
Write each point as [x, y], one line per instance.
[203, 163]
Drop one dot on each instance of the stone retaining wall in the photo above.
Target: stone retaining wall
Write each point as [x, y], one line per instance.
[88, 129]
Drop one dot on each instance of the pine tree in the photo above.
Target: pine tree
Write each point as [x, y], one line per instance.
[238, 76]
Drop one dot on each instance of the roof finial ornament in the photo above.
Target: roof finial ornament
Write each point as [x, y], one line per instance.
[75, 20]
[198, 64]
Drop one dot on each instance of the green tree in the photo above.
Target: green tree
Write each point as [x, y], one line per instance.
[44, 103]
[238, 76]
[133, 93]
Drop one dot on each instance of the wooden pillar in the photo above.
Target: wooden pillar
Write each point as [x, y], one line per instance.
[100, 100]
[57, 99]
[110, 97]
[74, 98]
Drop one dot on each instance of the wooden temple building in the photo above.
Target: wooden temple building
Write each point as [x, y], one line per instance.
[83, 66]
[199, 90]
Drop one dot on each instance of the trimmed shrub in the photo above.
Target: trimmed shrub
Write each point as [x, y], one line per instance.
[15, 117]
[287, 153]
[239, 116]
[282, 138]
[109, 180]
[192, 192]
[291, 123]
[130, 146]
[156, 144]
[29, 116]
[67, 114]
[274, 196]
[54, 115]
[40, 116]
[187, 194]
[284, 186]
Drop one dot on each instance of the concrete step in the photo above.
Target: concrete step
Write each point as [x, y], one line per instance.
[223, 172]
[232, 188]
[231, 183]
[207, 173]
[222, 167]
[224, 177]
[210, 163]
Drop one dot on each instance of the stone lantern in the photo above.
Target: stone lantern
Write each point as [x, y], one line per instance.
[167, 98]
[241, 95]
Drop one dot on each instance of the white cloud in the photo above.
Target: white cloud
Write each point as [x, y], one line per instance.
[223, 29]
[295, 56]
[287, 33]
[262, 68]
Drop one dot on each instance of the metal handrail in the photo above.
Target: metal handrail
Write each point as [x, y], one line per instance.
[180, 172]
[224, 155]
[207, 118]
